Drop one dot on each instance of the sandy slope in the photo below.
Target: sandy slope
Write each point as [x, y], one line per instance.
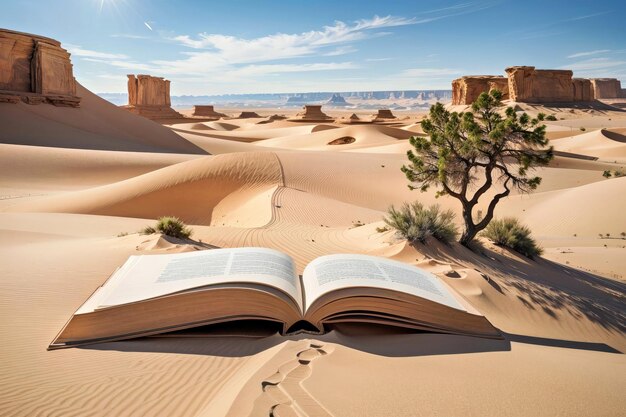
[96, 124]
[281, 185]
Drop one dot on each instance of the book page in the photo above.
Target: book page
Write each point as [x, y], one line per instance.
[149, 276]
[333, 272]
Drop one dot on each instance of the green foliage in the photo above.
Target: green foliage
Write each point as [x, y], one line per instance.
[510, 233]
[148, 230]
[382, 229]
[606, 174]
[551, 118]
[468, 153]
[416, 223]
[170, 226]
[618, 173]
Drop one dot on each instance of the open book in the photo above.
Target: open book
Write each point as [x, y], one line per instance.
[154, 294]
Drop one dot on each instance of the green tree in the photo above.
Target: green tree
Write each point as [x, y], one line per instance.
[468, 153]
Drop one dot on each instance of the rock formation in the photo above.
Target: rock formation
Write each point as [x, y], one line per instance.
[527, 84]
[606, 88]
[384, 114]
[206, 111]
[35, 70]
[530, 85]
[149, 96]
[312, 113]
[248, 115]
[465, 90]
[337, 100]
[583, 90]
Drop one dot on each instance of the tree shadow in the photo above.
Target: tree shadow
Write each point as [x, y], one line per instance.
[541, 283]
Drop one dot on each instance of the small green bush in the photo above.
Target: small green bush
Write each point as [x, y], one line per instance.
[416, 223]
[170, 226]
[510, 233]
[606, 174]
[551, 117]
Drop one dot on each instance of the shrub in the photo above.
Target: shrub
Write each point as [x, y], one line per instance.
[606, 174]
[382, 229]
[551, 117]
[170, 226]
[582, 129]
[416, 223]
[510, 233]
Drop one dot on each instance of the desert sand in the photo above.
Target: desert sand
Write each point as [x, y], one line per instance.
[77, 184]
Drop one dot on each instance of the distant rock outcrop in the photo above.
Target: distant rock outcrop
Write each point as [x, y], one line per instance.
[248, 115]
[312, 113]
[35, 70]
[606, 88]
[527, 84]
[465, 90]
[149, 96]
[206, 111]
[337, 100]
[384, 114]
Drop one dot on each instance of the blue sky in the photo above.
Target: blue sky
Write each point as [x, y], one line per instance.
[234, 46]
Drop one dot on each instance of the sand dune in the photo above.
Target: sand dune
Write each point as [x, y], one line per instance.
[96, 124]
[607, 144]
[343, 138]
[42, 169]
[201, 191]
[251, 132]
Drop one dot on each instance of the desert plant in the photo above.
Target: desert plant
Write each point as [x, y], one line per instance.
[467, 154]
[606, 174]
[510, 233]
[618, 173]
[148, 230]
[582, 129]
[551, 118]
[382, 229]
[170, 226]
[416, 223]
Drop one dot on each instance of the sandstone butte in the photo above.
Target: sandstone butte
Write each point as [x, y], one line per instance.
[35, 70]
[149, 96]
[312, 113]
[530, 85]
[384, 114]
[206, 111]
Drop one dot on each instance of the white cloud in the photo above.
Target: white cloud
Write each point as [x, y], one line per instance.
[588, 53]
[86, 53]
[595, 64]
[235, 50]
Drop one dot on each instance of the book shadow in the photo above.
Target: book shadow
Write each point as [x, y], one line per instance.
[251, 337]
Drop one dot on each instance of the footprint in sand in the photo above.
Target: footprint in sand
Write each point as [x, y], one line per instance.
[283, 394]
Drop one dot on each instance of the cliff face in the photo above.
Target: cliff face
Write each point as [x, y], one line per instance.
[36, 70]
[465, 90]
[582, 89]
[149, 96]
[606, 87]
[527, 84]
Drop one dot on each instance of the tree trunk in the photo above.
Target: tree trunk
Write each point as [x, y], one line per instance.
[470, 228]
